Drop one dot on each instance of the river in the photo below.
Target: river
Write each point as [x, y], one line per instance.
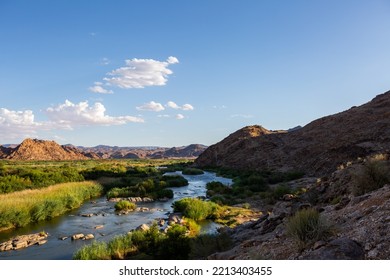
[104, 214]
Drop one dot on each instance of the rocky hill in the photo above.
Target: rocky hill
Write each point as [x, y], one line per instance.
[34, 149]
[317, 148]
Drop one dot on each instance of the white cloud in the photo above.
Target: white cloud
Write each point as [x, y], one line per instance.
[173, 105]
[105, 61]
[163, 116]
[185, 107]
[179, 117]
[140, 73]
[151, 106]
[98, 88]
[17, 124]
[69, 115]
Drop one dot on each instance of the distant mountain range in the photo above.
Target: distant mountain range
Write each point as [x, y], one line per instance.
[35, 149]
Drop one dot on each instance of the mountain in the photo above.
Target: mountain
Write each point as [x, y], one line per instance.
[34, 149]
[317, 148]
[152, 152]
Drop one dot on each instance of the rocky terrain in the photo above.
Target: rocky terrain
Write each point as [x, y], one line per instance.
[315, 149]
[34, 149]
[346, 161]
[359, 223]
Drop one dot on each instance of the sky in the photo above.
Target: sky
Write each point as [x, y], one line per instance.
[173, 73]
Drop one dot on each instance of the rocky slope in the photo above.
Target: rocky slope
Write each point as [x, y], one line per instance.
[359, 223]
[317, 148]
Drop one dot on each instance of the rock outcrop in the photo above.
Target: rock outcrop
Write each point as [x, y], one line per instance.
[316, 149]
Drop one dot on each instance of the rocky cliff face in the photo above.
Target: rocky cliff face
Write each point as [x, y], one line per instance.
[317, 148]
[34, 149]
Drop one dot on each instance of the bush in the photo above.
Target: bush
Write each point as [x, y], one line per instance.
[175, 181]
[308, 226]
[192, 171]
[124, 205]
[194, 208]
[371, 176]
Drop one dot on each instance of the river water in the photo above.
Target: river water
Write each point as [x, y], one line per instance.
[104, 214]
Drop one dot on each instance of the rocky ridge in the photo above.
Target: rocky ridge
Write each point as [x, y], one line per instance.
[316, 149]
[34, 149]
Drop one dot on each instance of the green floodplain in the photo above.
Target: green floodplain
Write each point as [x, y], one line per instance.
[33, 191]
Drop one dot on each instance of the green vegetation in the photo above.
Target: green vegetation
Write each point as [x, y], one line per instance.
[373, 175]
[117, 178]
[307, 226]
[21, 178]
[192, 171]
[124, 205]
[248, 184]
[176, 243]
[20, 208]
[194, 208]
[199, 210]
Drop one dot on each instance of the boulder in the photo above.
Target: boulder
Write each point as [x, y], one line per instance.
[89, 236]
[143, 227]
[338, 249]
[77, 236]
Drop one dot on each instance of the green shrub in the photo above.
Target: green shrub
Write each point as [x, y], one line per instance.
[374, 174]
[120, 246]
[164, 193]
[124, 205]
[192, 171]
[308, 226]
[173, 181]
[194, 208]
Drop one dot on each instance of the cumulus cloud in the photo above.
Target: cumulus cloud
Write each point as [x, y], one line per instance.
[179, 117]
[185, 107]
[98, 88]
[17, 124]
[173, 105]
[70, 115]
[151, 106]
[140, 73]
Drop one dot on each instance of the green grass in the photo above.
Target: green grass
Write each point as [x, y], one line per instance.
[18, 209]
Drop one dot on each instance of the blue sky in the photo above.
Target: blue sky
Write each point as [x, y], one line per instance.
[172, 73]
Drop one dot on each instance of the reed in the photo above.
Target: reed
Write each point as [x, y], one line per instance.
[17, 209]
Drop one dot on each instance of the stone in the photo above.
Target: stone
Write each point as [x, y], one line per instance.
[89, 236]
[143, 227]
[99, 227]
[87, 215]
[338, 249]
[63, 238]
[19, 244]
[77, 236]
